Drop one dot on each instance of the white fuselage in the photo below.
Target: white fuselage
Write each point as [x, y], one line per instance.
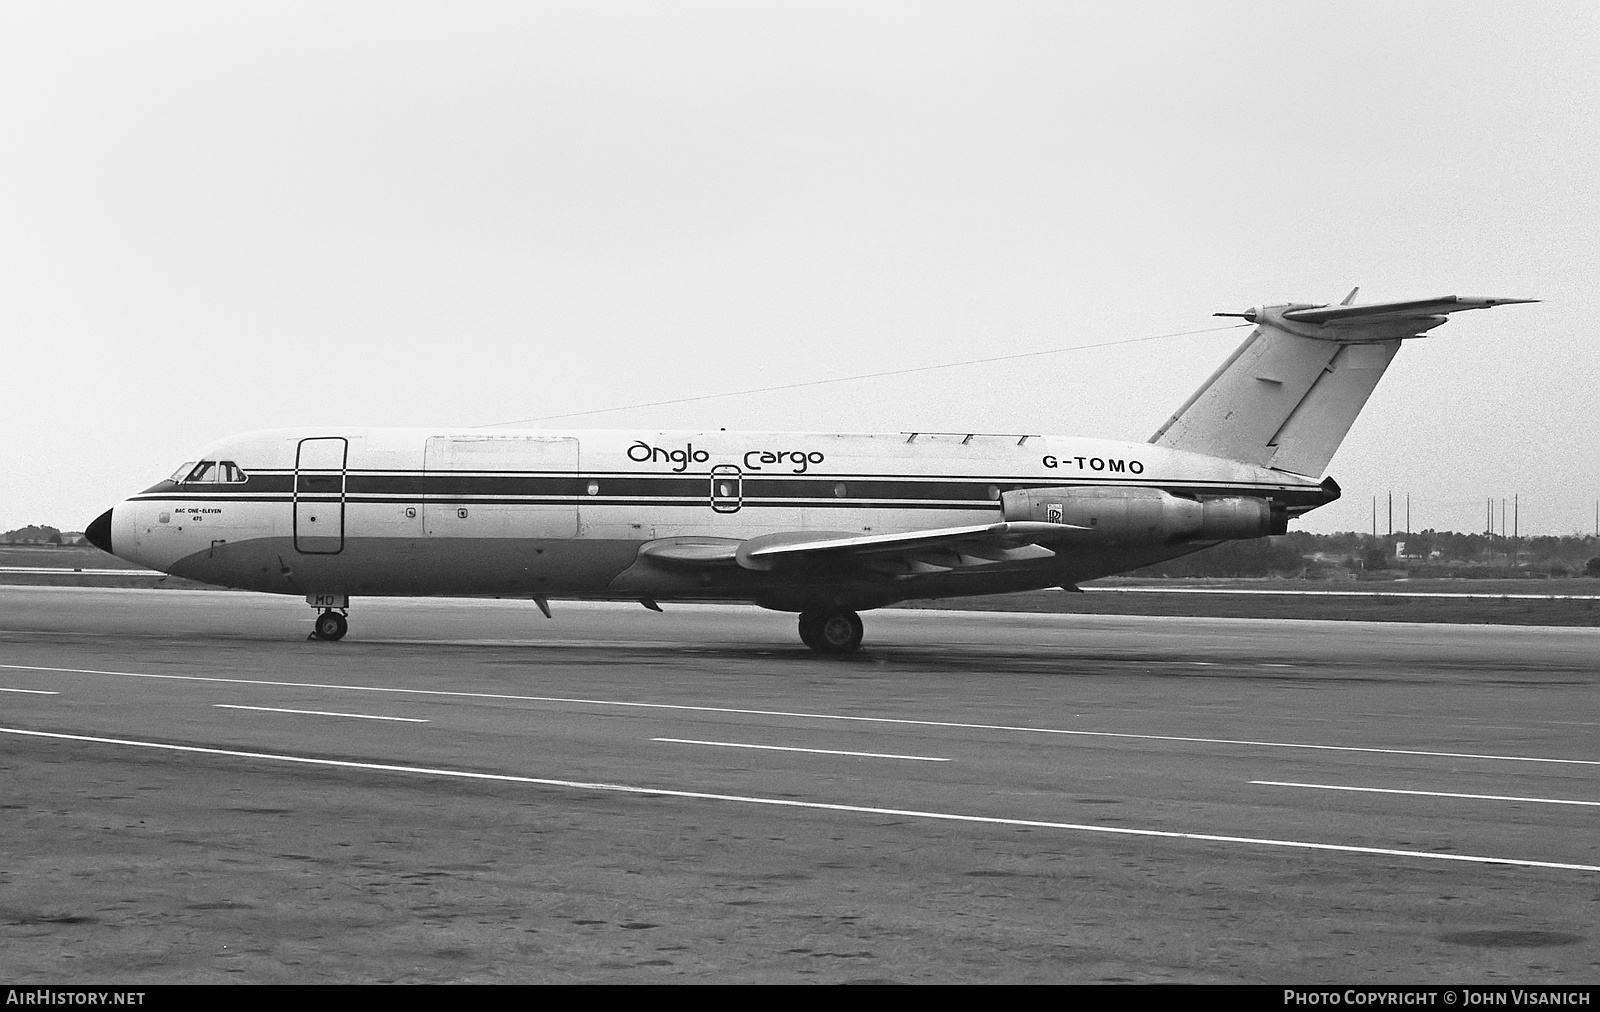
[551, 513]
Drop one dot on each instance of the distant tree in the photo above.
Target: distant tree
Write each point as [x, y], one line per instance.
[1459, 556]
[32, 534]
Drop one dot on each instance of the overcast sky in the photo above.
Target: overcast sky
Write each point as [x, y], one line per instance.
[224, 217]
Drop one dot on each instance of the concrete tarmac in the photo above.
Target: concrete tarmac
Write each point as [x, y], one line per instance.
[466, 791]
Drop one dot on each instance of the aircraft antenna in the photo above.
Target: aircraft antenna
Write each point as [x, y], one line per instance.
[864, 376]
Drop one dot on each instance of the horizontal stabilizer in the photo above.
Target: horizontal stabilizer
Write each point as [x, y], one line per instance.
[1416, 309]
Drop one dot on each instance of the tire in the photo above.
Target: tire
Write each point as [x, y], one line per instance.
[331, 625]
[808, 629]
[831, 632]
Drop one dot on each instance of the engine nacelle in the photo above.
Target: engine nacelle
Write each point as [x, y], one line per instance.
[1118, 514]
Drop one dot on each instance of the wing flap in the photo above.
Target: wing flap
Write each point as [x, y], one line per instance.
[767, 552]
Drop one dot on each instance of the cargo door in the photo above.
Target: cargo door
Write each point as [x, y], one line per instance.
[319, 479]
[501, 486]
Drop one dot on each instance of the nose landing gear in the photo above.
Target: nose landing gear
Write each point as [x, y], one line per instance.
[331, 623]
[831, 631]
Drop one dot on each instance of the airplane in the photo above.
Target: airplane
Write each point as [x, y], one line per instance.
[822, 524]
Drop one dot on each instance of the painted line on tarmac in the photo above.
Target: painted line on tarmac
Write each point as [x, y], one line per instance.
[318, 713]
[59, 571]
[791, 748]
[900, 721]
[1341, 593]
[33, 692]
[812, 805]
[1427, 794]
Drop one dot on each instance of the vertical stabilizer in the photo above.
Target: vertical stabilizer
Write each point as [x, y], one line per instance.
[1288, 395]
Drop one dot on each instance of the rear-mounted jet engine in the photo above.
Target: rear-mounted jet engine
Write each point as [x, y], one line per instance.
[1147, 515]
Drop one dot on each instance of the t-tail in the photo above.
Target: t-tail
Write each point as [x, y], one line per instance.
[1288, 395]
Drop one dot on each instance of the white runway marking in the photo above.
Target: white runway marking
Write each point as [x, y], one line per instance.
[318, 713]
[813, 805]
[1341, 593]
[59, 571]
[790, 748]
[33, 692]
[1427, 794]
[901, 721]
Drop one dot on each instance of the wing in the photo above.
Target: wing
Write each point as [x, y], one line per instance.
[935, 550]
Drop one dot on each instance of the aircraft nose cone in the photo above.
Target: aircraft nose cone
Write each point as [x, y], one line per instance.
[99, 532]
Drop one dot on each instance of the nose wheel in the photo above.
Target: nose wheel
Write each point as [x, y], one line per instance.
[330, 625]
[831, 632]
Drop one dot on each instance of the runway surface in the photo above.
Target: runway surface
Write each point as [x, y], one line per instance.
[466, 791]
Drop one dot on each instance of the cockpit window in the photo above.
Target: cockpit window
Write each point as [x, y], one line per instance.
[183, 471]
[213, 472]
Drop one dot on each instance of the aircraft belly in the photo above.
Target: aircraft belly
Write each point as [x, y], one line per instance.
[416, 567]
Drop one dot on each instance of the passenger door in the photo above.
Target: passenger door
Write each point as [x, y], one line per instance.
[319, 477]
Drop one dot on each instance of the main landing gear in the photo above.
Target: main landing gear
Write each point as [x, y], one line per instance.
[831, 631]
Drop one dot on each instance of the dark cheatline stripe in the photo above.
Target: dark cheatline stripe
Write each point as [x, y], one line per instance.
[976, 492]
[699, 502]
